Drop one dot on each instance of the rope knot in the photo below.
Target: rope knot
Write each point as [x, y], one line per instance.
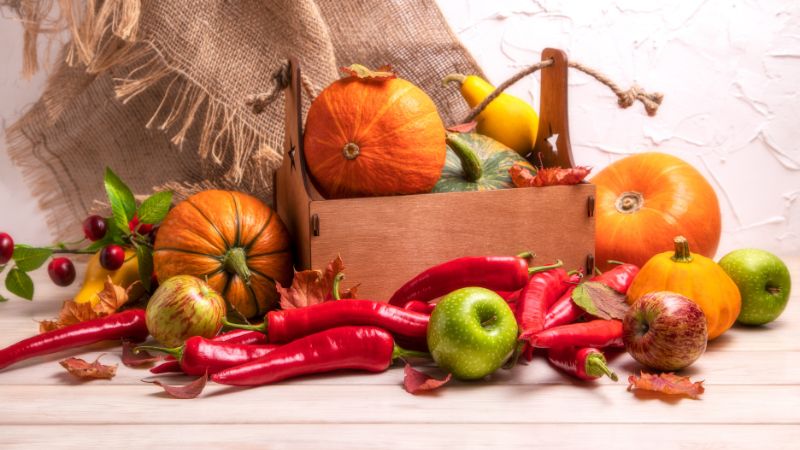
[651, 101]
[281, 79]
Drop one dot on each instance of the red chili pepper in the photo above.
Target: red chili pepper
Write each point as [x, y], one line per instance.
[619, 278]
[361, 348]
[498, 273]
[536, 297]
[597, 333]
[244, 337]
[199, 355]
[565, 311]
[128, 324]
[583, 363]
[418, 306]
[290, 324]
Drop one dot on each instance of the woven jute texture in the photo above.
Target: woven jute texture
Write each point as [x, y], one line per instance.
[157, 89]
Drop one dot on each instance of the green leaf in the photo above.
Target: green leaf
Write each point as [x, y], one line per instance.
[600, 300]
[123, 204]
[155, 207]
[144, 254]
[19, 284]
[30, 258]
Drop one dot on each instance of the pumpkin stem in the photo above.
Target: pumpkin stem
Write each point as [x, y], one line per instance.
[235, 261]
[629, 202]
[351, 151]
[682, 253]
[470, 163]
[457, 77]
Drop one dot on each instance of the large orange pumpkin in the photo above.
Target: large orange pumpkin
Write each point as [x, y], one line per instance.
[371, 136]
[645, 200]
[233, 240]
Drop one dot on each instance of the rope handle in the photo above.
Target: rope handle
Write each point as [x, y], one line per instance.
[625, 98]
[280, 81]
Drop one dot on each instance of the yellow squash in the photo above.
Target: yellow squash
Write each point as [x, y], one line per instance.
[96, 275]
[507, 119]
[696, 277]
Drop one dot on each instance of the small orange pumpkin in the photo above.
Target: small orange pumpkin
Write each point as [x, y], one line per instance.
[233, 240]
[372, 134]
[645, 200]
[696, 277]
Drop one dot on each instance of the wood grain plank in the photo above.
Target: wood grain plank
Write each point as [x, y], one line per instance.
[388, 436]
[90, 404]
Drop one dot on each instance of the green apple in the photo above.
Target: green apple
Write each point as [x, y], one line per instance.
[472, 332]
[763, 282]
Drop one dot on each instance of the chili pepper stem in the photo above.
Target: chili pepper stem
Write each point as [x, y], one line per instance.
[402, 353]
[596, 367]
[615, 262]
[235, 261]
[175, 352]
[240, 326]
[533, 270]
[336, 281]
[526, 255]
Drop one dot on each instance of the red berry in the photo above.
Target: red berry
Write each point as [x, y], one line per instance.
[61, 271]
[144, 228]
[6, 248]
[94, 228]
[112, 256]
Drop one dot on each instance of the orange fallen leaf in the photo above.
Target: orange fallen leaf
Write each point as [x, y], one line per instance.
[111, 299]
[550, 176]
[89, 371]
[666, 383]
[463, 127]
[310, 287]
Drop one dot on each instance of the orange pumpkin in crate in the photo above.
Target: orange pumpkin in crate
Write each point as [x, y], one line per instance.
[645, 200]
[372, 134]
[233, 240]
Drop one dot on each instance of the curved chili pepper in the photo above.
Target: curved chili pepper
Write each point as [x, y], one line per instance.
[597, 333]
[536, 297]
[290, 324]
[361, 348]
[565, 310]
[583, 363]
[128, 324]
[199, 355]
[418, 306]
[243, 337]
[619, 278]
[498, 273]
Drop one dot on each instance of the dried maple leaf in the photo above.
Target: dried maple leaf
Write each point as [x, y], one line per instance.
[416, 382]
[550, 176]
[463, 127]
[359, 71]
[310, 287]
[187, 391]
[89, 371]
[600, 300]
[140, 359]
[666, 383]
[111, 298]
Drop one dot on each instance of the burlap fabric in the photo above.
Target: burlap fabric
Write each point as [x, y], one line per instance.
[156, 89]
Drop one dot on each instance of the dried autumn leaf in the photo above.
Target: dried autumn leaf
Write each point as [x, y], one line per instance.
[111, 298]
[89, 371]
[550, 176]
[310, 287]
[140, 359]
[186, 391]
[600, 300]
[666, 383]
[463, 127]
[48, 325]
[359, 71]
[416, 382]
[73, 312]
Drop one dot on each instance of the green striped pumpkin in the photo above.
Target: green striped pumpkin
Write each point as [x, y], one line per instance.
[477, 163]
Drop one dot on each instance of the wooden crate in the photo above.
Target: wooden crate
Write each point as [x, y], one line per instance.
[384, 241]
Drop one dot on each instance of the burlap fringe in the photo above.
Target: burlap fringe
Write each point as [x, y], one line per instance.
[104, 36]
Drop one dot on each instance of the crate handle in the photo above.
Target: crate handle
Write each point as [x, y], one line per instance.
[553, 114]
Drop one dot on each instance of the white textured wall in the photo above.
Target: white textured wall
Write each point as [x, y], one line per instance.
[730, 71]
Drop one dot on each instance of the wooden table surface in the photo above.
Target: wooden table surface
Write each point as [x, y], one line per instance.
[752, 400]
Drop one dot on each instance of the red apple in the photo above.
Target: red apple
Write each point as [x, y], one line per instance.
[665, 331]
